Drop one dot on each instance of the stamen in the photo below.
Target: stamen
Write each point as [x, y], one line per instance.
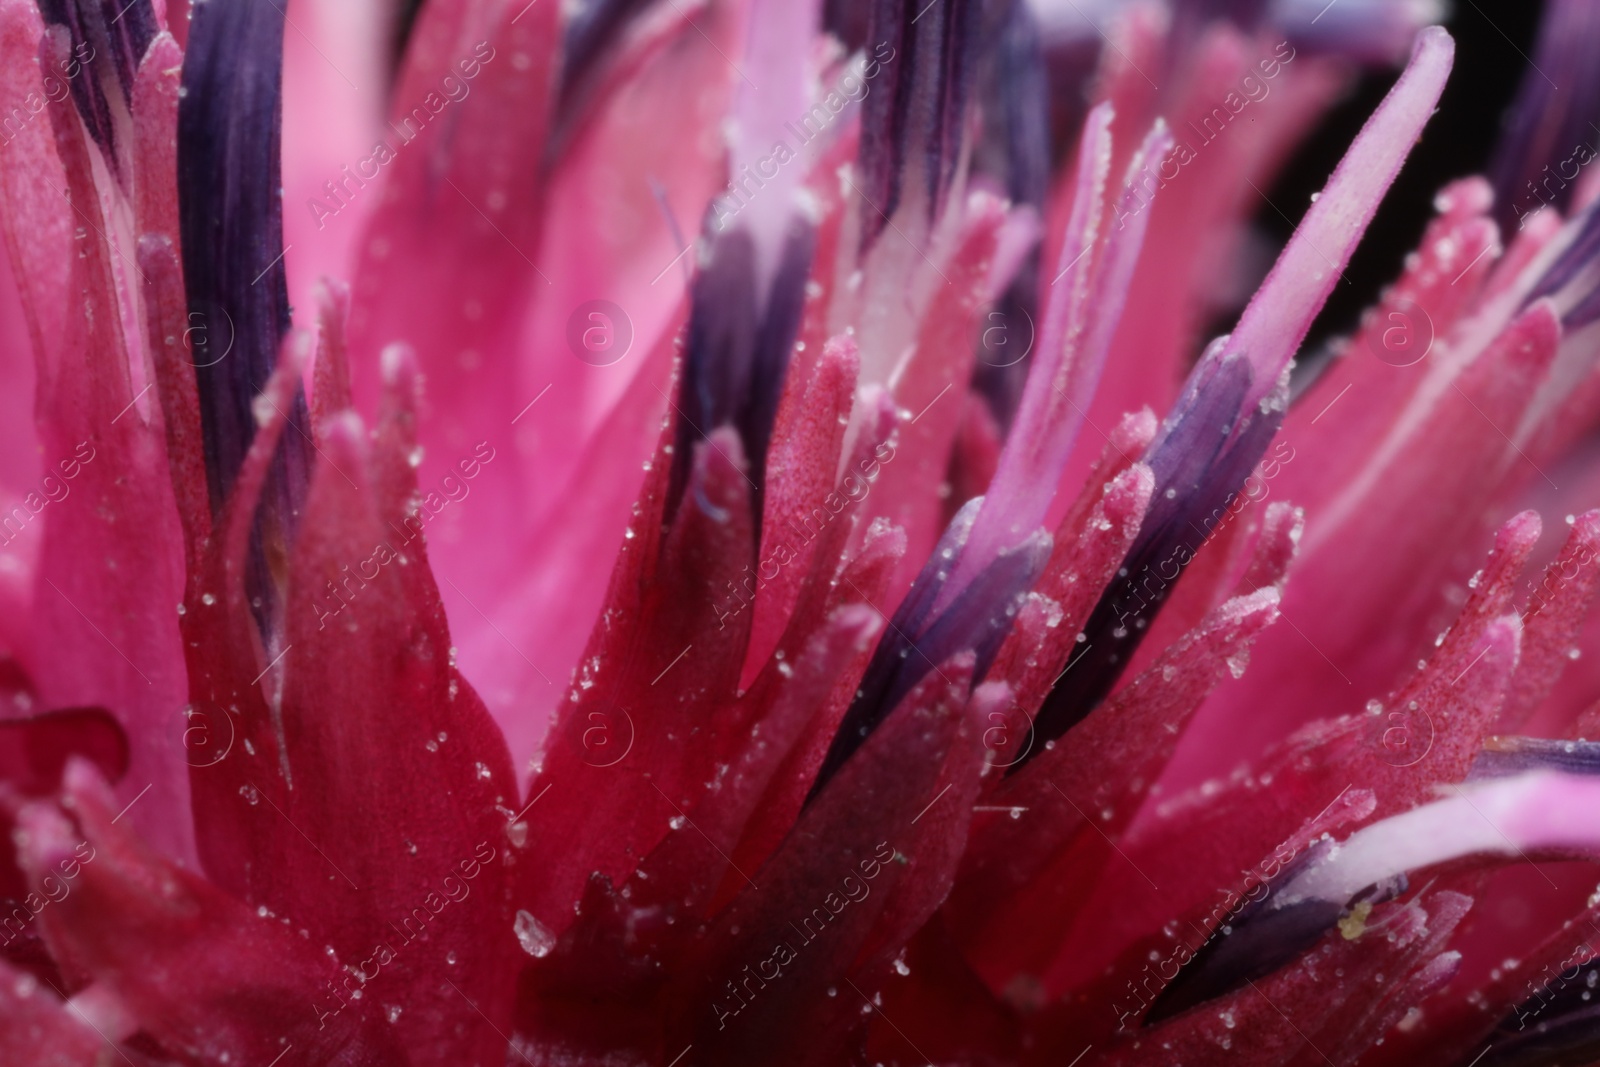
[1261, 937]
[1539, 812]
[1280, 314]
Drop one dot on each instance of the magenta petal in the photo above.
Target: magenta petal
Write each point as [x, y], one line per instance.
[660, 647]
[814, 905]
[314, 810]
[102, 634]
[1089, 791]
[40, 1030]
[1553, 619]
[151, 943]
[801, 466]
[34, 751]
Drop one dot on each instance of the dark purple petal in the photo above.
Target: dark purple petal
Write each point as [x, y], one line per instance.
[1017, 149]
[913, 123]
[1560, 1024]
[1201, 460]
[594, 26]
[978, 619]
[1506, 757]
[846, 20]
[230, 207]
[738, 347]
[107, 38]
[1264, 934]
[231, 218]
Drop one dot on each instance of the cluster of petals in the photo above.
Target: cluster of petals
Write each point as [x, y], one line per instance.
[709, 532]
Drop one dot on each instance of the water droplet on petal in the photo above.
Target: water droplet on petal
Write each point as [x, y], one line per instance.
[535, 940]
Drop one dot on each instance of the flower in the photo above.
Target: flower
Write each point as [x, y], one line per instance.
[818, 651]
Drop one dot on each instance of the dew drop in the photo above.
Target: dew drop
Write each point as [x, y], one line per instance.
[535, 940]
[1237, 664]
[207, 599]
[249, 793]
